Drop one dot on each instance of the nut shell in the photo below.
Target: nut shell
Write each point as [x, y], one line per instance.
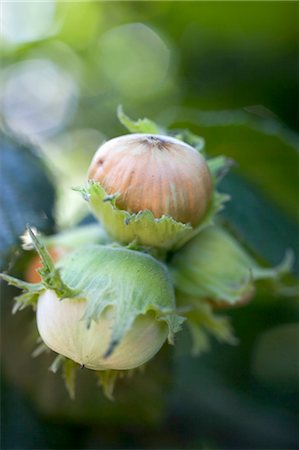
[156, 173]
[61, 327]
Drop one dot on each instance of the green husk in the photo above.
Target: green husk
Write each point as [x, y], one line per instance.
[69, 369]
[191, 139]
[204, 323]
[219, 166]
[31, 292]
[140, 125]
[107, 379]
[75, 237]
[51, 278]
[143, 228]
[133, 282]
[69, 376]
[214, 265]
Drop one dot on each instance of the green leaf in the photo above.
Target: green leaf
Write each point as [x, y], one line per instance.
[258, 222]
[265, 149]
[140, 125]
[219, 167]
[27, 194]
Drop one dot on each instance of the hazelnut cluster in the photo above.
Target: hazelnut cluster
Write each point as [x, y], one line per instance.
[107, 296]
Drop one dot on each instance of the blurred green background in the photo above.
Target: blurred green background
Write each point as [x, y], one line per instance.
[229, 72]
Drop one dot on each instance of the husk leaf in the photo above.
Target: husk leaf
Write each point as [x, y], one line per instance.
[140, 125]
[214, 265]
[204, 323]
[133, 282]
[143, 228]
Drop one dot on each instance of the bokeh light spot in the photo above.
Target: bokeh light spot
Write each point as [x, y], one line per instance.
[27, 21]
[134, 59]
[38, 97]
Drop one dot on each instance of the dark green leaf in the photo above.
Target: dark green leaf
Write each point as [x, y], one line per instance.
[258, 222]
[27, 195]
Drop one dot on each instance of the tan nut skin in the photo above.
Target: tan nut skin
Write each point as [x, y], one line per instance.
[158, 173]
